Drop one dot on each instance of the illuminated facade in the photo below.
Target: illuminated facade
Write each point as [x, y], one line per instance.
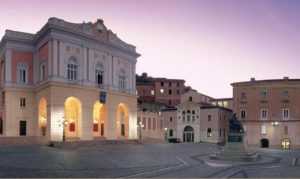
[72, 80]
[269, 111]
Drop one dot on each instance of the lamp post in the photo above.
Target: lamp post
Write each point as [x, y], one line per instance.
[65, 124]
[166, 134]
[140, 125]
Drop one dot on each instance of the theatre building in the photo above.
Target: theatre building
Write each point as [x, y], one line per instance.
[72, 80]
[269, 111]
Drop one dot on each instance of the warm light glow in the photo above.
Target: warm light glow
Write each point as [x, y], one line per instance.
[73, 115]
[42, 112]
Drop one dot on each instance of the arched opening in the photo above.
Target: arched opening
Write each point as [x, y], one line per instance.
[122, 122]
[72, 128]
[188, 134]
[42, 112]
[99, 118]
[264, 143]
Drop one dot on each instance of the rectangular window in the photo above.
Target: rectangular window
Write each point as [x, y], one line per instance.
[99, 77]
[243, 114]
[102, 129]
[22, 128]
[123, 129]
[122, 82]
[220, 132]
[285, 114]
[42, 72]
[264, 114]
[22, 102]
[161, 83]
[171, 133]
[263, 93]
[209, 118]
[170, 91]
[263, 130]
[209, 133]
[170, 84]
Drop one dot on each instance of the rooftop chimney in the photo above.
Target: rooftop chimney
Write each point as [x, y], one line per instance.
[285, 77]
[252, 79]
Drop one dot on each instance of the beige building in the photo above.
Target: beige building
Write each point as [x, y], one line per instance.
[269, 111]
[198, 120]
[69, 80]
[214, 124]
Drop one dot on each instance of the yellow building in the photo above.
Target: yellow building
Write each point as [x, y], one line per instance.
[72, 80]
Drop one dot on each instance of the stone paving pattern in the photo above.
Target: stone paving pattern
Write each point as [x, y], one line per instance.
[136, 160]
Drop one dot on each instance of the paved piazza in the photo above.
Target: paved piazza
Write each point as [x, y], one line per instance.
[136, 160]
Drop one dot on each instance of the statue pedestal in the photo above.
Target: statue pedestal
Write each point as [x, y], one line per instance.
[235, 150]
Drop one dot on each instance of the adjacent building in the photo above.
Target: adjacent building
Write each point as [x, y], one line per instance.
[198, 120]
[72, 80]
[269, 111]
[162, 90]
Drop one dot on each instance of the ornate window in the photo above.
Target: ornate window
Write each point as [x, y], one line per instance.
[285, 113]
[122, 79]
[72, 69]
[264, 114]
[99, 74]
[22, 72]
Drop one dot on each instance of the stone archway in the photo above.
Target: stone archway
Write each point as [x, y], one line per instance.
[99, 119]
[122, 122]
[188, 134]
[42, 117]
[73, 115]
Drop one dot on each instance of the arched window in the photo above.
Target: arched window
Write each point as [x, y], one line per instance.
[42, 72]
[122, 79]
[72, 69]
[99, 73]
[22, 71]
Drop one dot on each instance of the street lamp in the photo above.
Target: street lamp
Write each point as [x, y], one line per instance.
[65, 124]
[140, 125]
[166, 134]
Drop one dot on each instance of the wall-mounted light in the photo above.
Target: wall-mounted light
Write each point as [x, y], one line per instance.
[276, 123]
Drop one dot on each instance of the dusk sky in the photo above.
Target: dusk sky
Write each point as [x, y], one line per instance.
[209, 43]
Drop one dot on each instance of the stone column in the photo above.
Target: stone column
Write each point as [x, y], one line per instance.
[55, 118]
[86, 126]
[110, 127]
[55, 58]
[85, 69]
[133, 121]
[50, 60]
[61, 66]
[8, 66]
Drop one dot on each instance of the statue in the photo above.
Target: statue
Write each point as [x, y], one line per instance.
[234, 149]
[236, 131]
